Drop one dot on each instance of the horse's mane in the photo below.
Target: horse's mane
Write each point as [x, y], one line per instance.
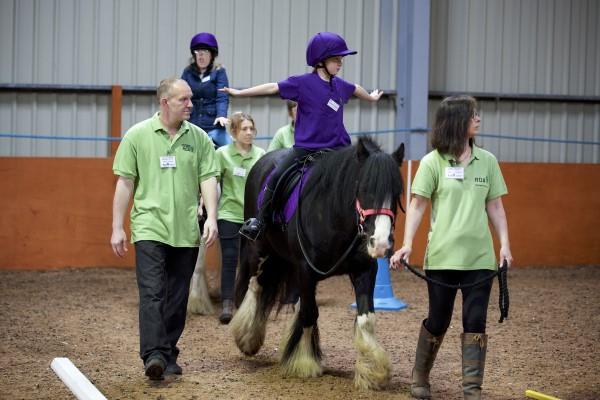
[343, 174]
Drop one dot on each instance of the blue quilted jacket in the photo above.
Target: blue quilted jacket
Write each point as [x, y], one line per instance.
[208, 102]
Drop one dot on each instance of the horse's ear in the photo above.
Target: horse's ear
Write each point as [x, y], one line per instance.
[399, 154]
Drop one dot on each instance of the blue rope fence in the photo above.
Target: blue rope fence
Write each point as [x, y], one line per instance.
[534, 139]
[374, 133]
[50, 137]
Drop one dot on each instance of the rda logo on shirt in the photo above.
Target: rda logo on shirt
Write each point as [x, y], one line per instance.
[187, 147]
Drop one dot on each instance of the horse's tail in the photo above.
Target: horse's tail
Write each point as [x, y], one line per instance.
[278, 283]
[246, 270]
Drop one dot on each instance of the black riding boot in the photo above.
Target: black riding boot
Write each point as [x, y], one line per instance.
[253, 227]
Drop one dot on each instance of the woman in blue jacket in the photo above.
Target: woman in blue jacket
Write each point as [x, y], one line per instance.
[205, 78]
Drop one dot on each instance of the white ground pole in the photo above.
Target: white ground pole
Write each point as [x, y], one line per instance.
[81, 387]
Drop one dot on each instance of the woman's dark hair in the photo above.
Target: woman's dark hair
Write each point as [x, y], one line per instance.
[451, 126]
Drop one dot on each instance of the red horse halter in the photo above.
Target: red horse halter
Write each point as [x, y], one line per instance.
[363, 214]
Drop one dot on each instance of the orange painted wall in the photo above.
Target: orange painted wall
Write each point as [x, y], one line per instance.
[56, 213]
[553, 213]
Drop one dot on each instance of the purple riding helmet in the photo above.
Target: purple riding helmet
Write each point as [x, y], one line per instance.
[324, 45]
[205, 40]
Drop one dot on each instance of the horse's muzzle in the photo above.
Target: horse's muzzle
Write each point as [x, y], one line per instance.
[378, 248]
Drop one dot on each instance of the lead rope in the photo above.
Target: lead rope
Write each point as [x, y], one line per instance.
[503, 298]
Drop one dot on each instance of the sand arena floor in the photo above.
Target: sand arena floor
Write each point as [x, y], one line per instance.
[551, 342]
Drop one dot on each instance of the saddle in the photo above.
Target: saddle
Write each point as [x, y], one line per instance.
[287, 189]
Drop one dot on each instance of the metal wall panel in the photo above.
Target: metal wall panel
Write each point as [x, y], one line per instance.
[507, 46]
[139, 42]
[56, 117]
[523, 47]
[516, 46]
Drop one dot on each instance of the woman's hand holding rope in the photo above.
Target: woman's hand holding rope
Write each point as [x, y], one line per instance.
[402, 254]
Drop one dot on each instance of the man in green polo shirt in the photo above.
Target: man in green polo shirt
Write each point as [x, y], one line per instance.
[464, 185]
[163, 162]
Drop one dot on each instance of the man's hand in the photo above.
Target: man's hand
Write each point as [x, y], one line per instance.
[118, 242]
[211, 232]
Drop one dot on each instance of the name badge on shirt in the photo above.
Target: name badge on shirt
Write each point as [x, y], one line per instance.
[333, 105]
[455, 173]
[206, 79]
[167, 162]
[237, 171]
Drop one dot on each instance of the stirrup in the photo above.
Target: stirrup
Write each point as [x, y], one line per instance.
[251, 229]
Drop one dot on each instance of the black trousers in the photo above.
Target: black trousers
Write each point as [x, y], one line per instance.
[230, 247]
[163, 277]
[475, 300]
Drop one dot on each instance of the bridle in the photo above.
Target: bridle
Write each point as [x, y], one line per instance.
[363, 214]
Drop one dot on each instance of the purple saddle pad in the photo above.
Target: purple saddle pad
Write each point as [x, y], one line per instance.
[291, 203]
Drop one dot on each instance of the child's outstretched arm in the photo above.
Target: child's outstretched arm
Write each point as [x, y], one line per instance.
[361, 93]
[260, 90]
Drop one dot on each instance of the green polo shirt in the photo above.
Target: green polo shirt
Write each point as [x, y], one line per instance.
[459, 235]
[283, 139]
[165, 200]
[233, 171]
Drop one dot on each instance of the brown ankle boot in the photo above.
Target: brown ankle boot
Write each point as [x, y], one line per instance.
[227, 312]
[474, 347]
[427, 348]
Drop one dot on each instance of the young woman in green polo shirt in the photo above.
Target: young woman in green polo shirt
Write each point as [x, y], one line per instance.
[284, 137]
[235, 161]
[464, 185]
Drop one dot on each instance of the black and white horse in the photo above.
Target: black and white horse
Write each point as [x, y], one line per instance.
[344, 221]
